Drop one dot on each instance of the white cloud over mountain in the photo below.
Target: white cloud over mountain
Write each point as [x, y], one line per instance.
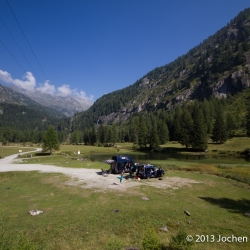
[28, 83]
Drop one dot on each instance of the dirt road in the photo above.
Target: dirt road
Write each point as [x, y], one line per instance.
[91, 178]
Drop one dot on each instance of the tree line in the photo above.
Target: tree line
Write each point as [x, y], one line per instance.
[191, 124]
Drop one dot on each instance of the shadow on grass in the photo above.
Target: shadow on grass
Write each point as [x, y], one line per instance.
[241, 206]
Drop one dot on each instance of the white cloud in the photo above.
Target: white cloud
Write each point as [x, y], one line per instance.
[47, 88]
[5, 76]
[29, 84]
[83, 95]
[64, 90]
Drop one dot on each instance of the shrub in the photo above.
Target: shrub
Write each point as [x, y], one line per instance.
[151, 240]
[246, 152]
[179, 242]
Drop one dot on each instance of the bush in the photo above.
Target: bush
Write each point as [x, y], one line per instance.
[179, 242]
[135, 147]
[151, 240]
[246, 152]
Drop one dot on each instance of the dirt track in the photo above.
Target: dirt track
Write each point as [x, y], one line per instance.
[92, 178]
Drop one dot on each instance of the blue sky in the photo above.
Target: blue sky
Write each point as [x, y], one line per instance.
[92, 47]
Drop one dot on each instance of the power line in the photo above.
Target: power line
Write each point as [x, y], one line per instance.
[19, 48]
[27, 40]
[12, 56]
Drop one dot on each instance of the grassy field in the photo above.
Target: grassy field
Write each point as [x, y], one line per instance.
[77, 218]
[10, 150]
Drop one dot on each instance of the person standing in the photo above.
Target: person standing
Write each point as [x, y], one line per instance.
[121, 177]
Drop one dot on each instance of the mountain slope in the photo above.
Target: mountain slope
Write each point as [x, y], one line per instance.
[9, 96]
[19, 112]
[219, 66]
[68, 105]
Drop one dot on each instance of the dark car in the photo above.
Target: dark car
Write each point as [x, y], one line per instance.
[149, 171]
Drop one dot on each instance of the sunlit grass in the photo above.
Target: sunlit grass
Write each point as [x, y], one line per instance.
[10, 150]
[76, 218]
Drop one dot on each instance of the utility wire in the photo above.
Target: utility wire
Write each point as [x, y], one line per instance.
[27, 40]
[12, 56]
[19, 48]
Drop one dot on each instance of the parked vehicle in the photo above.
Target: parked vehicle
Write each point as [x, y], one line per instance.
[121, 163]
[149, 171]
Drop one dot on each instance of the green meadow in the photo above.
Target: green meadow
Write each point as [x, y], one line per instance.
[10, 150]
[76, 218]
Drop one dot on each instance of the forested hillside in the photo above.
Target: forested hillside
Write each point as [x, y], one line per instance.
[20, 123]
[202, 95]
[217, 67]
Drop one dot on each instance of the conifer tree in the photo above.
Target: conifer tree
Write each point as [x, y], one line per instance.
[163, 132]
[93, 137]
[186, 126]
[177, 126]
[134, 125]
[154, 138]
[142, 133]
[114, 134]
[86, 137]
[50, 140]
[230, 123]
[207, 115]
[248, 121]
[220, 133]
[101, 134]
[75, 137]
[199, 135]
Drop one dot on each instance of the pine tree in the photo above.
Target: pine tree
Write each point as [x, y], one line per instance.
[230, 123]
[75, 137]
[248, 121]
[50, 140]
[163, 132]
[142, 133]
[114, 134]
[154, 138]
[177, 126]
[93, 137]
[186, 126]
[199, 134]
[102, 134]
[133, 130]
[220, 133]
[86, 138]
[207, 115]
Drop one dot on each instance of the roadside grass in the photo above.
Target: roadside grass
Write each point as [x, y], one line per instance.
[77, 218]
[65, 161]
[68, 156]
[10, 150]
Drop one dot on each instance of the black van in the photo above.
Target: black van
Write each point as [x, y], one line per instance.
[149, 171]
[121, 163]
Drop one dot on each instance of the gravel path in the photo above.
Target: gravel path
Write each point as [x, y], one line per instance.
[90, 178]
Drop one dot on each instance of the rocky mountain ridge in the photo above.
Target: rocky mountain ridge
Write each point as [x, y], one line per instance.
[219, 66]
[63, 106]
